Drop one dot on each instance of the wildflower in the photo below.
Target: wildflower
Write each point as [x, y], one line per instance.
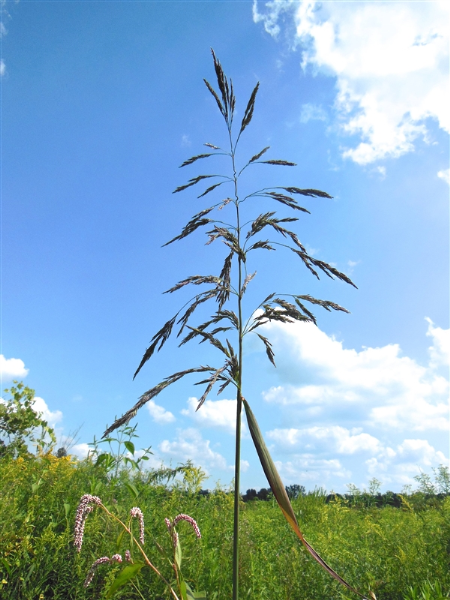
[175, 539]
[90, 575]
[128, 556]
[116, 558]
[137, 512]
[84, 508]
[169, 524]
[190, 520]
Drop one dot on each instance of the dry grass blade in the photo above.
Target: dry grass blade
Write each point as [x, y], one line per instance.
[222, 83]
[279, 491]
[323, 266]
[253, 158]
[223, 291]
[210, 189]
[208, 336]
[192, 181]
[249, 110]
[261, 244]
[188, 229]
[160, 338]
[307, 312]
[200, 299]
[189, 161]
[283, 163]
[195, 280]
[151, 394]
[287, 200]
[327, 304]
[308, 192]
[216, 97]
[212, 381]
[246, 282]
[270, 353]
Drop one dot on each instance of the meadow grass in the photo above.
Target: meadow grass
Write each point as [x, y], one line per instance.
[387, 550]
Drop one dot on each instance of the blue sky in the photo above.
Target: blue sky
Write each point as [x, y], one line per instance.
[101, 103]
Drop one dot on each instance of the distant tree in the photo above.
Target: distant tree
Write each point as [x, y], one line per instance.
[242, 234]
[295, 491]
[21, 425]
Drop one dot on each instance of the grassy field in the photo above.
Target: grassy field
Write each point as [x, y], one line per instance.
[387, 550]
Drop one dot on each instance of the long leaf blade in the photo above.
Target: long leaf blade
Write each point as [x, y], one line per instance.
[279, 491]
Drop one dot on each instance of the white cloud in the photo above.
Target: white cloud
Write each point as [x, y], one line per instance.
[185, 141]
[52, 417]
[80, 450]
[312, 112]
[190, 445]
[307, 468]
[2, 67]
[158, 413]
[334, 439]
[440, 350]
[377, 387]
[12, 368]
[218, 413]
[390, 61]
[444, 175]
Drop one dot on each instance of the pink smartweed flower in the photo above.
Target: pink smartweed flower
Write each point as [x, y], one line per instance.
[137, 512]
[190, 520]
[116, 558]
[128, 556]
[90, 575]
[175, 539]
[169, 524]
[84, 508]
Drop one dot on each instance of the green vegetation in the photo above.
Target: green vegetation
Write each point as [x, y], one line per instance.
[398, 553]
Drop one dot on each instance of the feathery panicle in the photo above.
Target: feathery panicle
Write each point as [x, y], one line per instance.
[191, 160]
[249, 110]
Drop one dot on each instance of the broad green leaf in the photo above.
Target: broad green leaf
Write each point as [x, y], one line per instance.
[183, 589]
[124, 577]
[178, 555]
[280, 493]
[102, 458]
[129, 446]
[132, 488]
[66, 509]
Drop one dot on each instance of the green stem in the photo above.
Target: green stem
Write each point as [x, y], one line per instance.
[237, 464]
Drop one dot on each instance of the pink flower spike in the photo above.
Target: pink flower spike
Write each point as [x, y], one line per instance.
[169, 524]
[116, 558]
[137, 512]
[84, 508]
[128, 556]
[91, 573]
[175, 539]
[190, 520]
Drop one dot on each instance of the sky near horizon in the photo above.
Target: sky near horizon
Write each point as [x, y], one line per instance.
[101, 103]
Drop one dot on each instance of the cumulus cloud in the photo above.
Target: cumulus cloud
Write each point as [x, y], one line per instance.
[318, 439]
[80, 450]
[307, 468]
[218, 413]
[52, 417]
[386, 404]
[374, 386]
[190, 445]
[390, 61]
[12, 368]
[158, 413]
[444, 175]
